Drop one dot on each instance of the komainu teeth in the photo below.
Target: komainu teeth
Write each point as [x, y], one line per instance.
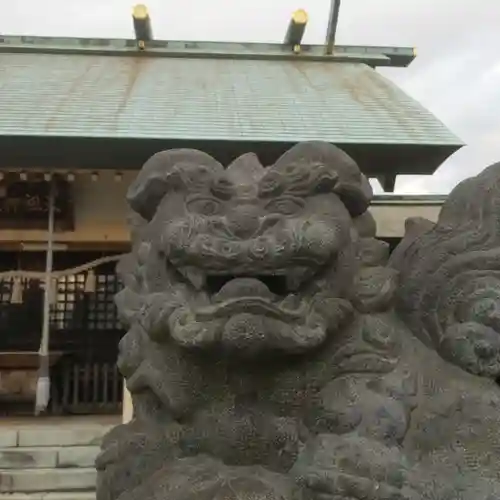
[194, 276]
[295, 277]
[290, 302]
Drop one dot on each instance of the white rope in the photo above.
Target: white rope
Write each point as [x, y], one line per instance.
[59, 274]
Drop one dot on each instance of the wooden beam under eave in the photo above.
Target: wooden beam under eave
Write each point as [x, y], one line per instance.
[388, 182]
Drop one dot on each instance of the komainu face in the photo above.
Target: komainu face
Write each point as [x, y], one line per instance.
[251, 258]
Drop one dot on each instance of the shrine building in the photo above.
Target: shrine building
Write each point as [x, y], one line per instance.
[79, 117]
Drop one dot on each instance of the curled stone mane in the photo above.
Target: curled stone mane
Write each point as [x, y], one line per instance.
[308, 165]
[450, 276]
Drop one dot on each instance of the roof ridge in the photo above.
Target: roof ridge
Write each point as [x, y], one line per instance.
[371, 55]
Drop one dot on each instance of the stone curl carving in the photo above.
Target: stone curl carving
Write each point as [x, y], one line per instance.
[450, 287]
[274, 351]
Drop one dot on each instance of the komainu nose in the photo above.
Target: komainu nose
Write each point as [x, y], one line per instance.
[243, 222]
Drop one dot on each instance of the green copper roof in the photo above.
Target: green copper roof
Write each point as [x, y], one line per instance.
[208, 99]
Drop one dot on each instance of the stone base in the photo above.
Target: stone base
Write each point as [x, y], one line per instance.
[53, 462]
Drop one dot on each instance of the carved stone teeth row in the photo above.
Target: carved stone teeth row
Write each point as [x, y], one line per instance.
[195, 276]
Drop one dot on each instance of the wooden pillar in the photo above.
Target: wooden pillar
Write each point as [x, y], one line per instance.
[128, 409]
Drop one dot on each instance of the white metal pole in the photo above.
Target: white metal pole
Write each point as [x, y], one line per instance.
[43, 382]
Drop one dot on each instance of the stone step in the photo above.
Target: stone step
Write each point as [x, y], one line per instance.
[48, 457]
[57, 495]
[48, 480]
[34, 436]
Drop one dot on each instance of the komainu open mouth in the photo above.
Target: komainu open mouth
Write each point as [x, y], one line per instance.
[270, 284]
[250, 313]
[273, 283]
[262, 294]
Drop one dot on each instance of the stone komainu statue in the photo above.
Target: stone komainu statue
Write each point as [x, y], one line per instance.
[275, 352]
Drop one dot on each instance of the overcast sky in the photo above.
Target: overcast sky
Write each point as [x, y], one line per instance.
[456, 74]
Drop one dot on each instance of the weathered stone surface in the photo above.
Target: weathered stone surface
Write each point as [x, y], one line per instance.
[66, 436]
[56, 495]
[21, 458]
[77, 456]
[273, 352]
[47, 457]
[33, 480]
[8, 437]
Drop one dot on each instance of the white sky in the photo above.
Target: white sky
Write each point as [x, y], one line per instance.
[456, 74]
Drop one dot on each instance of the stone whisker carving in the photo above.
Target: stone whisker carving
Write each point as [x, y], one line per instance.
[274, 350]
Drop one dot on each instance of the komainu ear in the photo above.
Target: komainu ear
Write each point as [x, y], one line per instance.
[350, 184]
[414, 228]
[164, 171]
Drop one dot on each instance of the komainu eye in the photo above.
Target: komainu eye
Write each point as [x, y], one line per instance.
[204, 206]
[286, 205]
